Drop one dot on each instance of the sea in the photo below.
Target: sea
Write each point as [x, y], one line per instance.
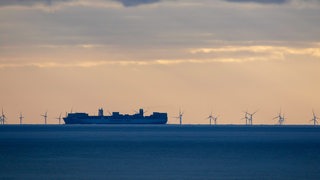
[162, 152]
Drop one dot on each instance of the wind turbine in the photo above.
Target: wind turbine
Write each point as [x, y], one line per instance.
[59, 118]
[210, 117]
[314, 119]
[3, 117]
[283, 118]
[214, 118]
[45, 117]
[21, 118]
[280, 118]
[180, 116]
[246, 117]
[251, 117]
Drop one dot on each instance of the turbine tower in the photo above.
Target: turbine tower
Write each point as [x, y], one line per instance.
[180, 117]
[59, 118]
[314, 119]
[21, 118]
[3, 117]
[45, 116]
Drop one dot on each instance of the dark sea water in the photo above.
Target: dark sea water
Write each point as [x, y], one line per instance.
[159, 152]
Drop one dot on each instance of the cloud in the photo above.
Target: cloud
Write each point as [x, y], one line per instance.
[260, 1]
[221, 55]
[312, 51]
[91, 64]
[258, 53]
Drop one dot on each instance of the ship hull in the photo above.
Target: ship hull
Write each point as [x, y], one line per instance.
[114, 121]
[116, 118]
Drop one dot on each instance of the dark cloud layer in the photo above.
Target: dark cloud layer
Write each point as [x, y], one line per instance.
[260, 1]
[130, 3]
[125, 3]
[29, 2]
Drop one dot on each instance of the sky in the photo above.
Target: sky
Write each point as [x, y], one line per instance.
[220, 56]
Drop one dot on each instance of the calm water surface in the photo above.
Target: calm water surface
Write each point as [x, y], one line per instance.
[159, 152]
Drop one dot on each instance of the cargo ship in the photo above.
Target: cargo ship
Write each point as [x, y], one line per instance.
[116, 118]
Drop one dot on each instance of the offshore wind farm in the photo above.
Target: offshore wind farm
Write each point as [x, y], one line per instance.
[155, 118]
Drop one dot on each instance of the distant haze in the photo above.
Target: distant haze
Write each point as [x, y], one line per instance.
[224, 56]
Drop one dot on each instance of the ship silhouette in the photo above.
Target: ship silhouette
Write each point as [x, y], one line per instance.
[116, 118]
